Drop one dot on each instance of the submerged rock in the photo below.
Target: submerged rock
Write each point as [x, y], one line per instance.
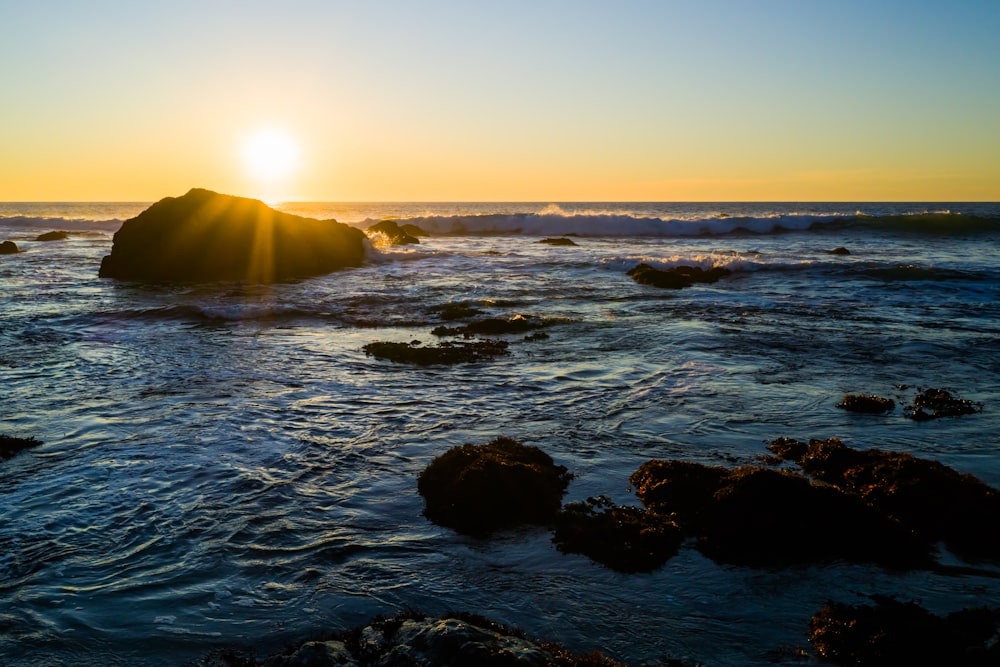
[867, 404]
[52, 236]
[935, 502]
[626, 539]
[937, 403]
[559, 241]
[839, 250]
[458, 352]
[457, 311]
[9, 445]
[206, 236]
[677, 277]
[393, 233]
[8, 248]
[477, 489]
[762, 518]
[412, 639]
[903, 633]
[493, 326]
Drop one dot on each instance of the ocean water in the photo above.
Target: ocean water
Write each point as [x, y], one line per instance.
[223, 465]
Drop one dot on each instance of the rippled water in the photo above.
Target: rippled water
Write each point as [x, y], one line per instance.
[223, 464]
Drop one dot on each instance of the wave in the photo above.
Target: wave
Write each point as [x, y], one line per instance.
[216, 314]
[58, 223]
[551, 221]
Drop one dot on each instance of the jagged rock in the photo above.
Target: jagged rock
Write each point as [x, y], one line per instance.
[867, 404]
[452, 352]
[760, 517]
[8, 248]
[677, 277]
[392, 233]
[52, 236]
[9, 445]
[477, 489]
[927, 497]
[626, 539]
[937, 403]
[898, 633]
[559, 241]
[205, 236]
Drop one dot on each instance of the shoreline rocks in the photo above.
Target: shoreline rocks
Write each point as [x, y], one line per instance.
[393, 234]
[204, 236]
[447, 353]
[53, 236]
[678, 277]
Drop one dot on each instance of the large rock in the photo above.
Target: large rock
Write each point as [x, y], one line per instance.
[206, 236]
[393, 233]
[8, 248]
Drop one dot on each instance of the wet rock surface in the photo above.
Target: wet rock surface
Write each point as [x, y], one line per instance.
[52, 236]
[676, 278]
[204, 236]
[447, 353]
[937, 403]
[890, 632]
[493, 326]
[866, 404]
[477, 489]
[9, 248]
[393, 233]
[10, 445]
[926, 497]
[839, 250]
[559, 241]
[412, 639]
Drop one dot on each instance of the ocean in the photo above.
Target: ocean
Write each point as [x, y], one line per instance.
[223, 465]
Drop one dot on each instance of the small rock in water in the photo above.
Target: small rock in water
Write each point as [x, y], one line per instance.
[677, 277]
[840, 250]
[52, 236]
[559, 241]
[393, 233]
[458, 352]
[937, 403]
[9, 445]
[477, 489]
[8, 248]
[867, 404]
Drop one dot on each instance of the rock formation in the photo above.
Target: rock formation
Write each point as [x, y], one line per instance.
[205, 236]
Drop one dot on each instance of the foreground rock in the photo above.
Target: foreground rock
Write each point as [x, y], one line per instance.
[392, 233]
[477, 489]
[898, 633]
[866, 404]
[9, 445]
[414, 640]
[926, 497]
[8, 248]
[205, 236]
[52, 236]
[626, 539]
[677, 277]
[559, 241]
[764, 518]
[449, 353]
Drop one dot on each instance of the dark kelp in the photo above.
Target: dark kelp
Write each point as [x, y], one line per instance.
[477, 489]
[866, 404]
[903, 633]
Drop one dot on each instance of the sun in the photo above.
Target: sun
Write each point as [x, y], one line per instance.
[271, 156]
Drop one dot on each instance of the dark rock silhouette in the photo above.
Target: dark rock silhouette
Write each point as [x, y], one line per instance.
[626, 539]
[493, 326]
[839, 250]
[9, 445]
[903, 633]
[937, 403]
[52, 236]
[677, 277]
[411, 638]
[477, 489]
[413, 230]
[867, 404]
[457, 311]
[393, 233]
[764, 518]
[458, 352]
[559, 241]
[8, 248]
[205, 236]
[935, 502]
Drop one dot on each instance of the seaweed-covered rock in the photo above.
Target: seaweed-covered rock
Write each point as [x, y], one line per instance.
[476, 489]
[493, 326]
[9, 445]
[205, 236]
[760, 517]
[53, 236]
[626, 539]
[457, 352]
[937, 403]
[559, 241]
[677, 277]
[867, 404]
[903, 633]
[392, 233]
[927, 497]
[9, 248]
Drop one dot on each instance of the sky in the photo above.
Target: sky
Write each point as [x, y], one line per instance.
[546, 100]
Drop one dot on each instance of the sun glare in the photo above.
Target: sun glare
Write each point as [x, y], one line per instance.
[271, 156]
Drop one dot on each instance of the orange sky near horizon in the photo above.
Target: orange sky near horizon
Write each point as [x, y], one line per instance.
[557, 101]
